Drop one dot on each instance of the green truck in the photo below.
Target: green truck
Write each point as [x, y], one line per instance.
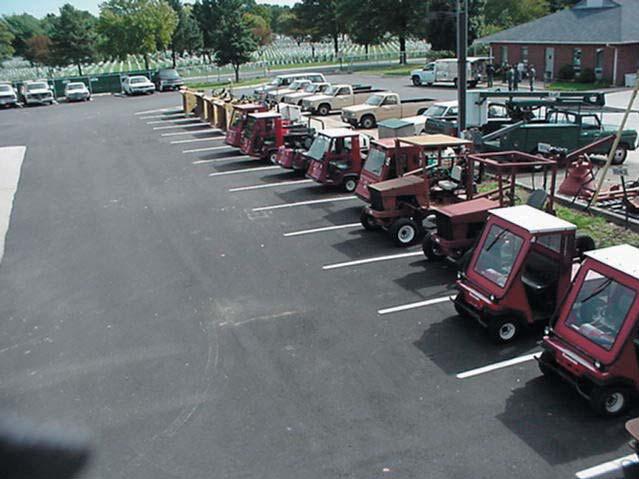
[564, 129]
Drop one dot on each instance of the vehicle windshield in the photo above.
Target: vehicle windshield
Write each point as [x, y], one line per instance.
[498, 254]
[311, 88]
[37, 86]
[320, 145]
[375, 161]
[435, 111]
[330, 91]
[75, 86]
[250, 125]
[375, 100]
[296, 85]
[236, 118]
[137, 80]
[5, 88]
[170, 74]
[600, 309]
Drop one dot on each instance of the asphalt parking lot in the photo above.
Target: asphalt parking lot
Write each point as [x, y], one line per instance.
[202, 321]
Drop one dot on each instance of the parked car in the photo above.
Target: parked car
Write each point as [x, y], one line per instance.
[445, 71]
[383, 106]
[137, 84]
[310, 90]
[282, 81]
[8, 96]
[277, 95]
[37, 93]
[443, 110]
[167, 79]
[336, 98]
[77, 91]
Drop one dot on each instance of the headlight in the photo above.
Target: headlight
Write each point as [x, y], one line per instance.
[598, 365]
[547, 331]
[492, 298]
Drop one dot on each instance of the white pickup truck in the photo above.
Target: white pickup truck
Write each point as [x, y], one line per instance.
[445, 71]
[441, 110]
[337, 97]
[383, 106]
[310, 90]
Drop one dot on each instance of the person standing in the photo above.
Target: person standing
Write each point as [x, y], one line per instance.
[532, 75]
[490, 74]
[516, 79]
[510, 77]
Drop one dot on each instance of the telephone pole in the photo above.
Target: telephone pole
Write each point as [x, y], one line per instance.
[462, 53]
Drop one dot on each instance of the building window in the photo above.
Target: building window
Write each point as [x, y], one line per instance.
[504, 55]
[524, 55]
[576, 59]
[599, 59]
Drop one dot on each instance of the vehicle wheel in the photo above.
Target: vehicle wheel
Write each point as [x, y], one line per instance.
[621, 153]
[324, 109]
[504, 330]
[368, 122]
[350, 184]
[368, 222]
[431, 249]
[583, 244]
[473, 84]
[404, 231]
[300, 103]
[417, 81]
[273, 157]
[460, 311]
[609, 401]
[545, 369]
[455, 82]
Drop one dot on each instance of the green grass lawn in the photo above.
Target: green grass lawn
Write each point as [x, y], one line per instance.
[574, 86]
[213, 85]
[396, 71]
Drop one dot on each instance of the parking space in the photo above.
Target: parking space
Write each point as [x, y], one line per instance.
[219, 313]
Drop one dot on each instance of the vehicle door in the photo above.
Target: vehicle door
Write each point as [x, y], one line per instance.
[428, 73]
[590, 129]
[343, 98]
[390, 108]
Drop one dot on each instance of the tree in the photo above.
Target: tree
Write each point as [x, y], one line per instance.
[259, 28]
[136, 27]
[319, 19]
[38, 50]
[362, 21]
[502, 14]
[187, 35]
[6, 39]
[23, 27]
[207, 15]
[233, 40]
[73, 38]
[404, 19]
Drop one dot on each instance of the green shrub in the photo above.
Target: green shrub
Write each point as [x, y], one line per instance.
[566, 72]
[587, 75]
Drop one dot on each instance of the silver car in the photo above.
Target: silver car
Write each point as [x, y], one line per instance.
[8, 96]
[37, 93]
[77, 91]
[138, 84]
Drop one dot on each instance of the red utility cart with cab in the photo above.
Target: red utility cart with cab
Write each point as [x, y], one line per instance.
[401, 205]
[458, 226]
[239, 119]
[519, 270]
[336, 157]
[594, 343]
[387, 158]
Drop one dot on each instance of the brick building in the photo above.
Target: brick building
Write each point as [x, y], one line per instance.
[598, 34]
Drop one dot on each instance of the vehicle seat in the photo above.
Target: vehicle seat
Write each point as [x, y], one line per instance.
[455, 179]
[537, 199]
[540, 272]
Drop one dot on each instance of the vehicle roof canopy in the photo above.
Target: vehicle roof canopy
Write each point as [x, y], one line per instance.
[338, 132]
[265, 115]
[623, 258]
[246, 106]
[533, 220]
[438, 140]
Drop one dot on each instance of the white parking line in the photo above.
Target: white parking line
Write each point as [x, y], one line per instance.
[226, 158]
[176, 109]
[375, 259]
[167, 117]
[174, 120]
[245, 170]
[193, 140]
[191, 132]
[212, 148]
[270, 185]
[607, 468]
[181, 125]
[419, 304]
[320, 230]
[496, 366]
[11, 159]
[303, 203]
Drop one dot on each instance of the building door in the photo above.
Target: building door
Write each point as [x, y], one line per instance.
[550, 63]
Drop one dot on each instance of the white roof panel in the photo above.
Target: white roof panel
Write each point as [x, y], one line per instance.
[624, 258]
[337, 132]
[533, 220]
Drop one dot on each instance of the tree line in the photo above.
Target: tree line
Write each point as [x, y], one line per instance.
[229, 31]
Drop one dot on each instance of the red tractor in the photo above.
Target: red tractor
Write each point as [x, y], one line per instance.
[239, 119]
[336, 157]
[593, 344]
[267, 131]
[401, 205]
[459, 225]
[387, 158]
[519, 271]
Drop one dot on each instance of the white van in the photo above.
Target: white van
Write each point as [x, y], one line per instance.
[445, 71]
[283, 81]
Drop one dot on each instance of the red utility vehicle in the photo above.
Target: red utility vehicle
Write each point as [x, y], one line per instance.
[519, 270]
[387, 158]
[402, 204]
[336, 157]
[594, 344]
[458, 226]
[293, 157]
[239, 119]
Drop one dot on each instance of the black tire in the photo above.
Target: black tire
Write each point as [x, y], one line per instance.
[583, 244]
[620, 155]
[272, 156]
[349, 184]
[324, 109]
[504, 330]
[368, 122]
[473, 84]
[368, 222]
[404, 232]
[546, 370]
[455, 82]
[430, 248]
[610, 401]
[417, 81]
